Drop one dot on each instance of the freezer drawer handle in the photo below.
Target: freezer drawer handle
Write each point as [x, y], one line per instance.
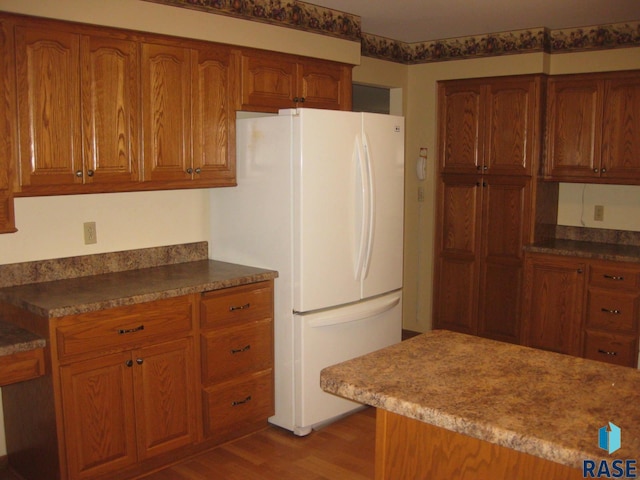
[325, 319]
[240, 350]
[604, 352]
[613, 312]
[241, 307]
[241, 402]
[124, 331]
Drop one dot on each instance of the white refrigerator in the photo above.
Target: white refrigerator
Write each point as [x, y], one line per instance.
[320, 199]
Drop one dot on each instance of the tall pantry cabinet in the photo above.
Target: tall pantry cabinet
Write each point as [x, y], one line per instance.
[489, 147]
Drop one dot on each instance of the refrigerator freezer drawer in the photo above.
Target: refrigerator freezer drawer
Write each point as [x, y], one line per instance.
[333, 336]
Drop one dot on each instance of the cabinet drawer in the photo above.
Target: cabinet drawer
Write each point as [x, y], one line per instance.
[612, 312]
[236, 408]
[610, 275]
[21, 366]
[238, 350]
[616, 349]
[237, 304]
[119, 328]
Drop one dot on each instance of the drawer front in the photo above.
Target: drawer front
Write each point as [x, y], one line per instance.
[236, 408]
[21, 366]
[610, 275]
[237, 304]
[120, 328]
[612, 312]
[235, 351]
[616, 349]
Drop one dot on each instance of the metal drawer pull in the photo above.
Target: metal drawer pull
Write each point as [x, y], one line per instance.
[604, 352]
[240, 350]
[242, 307]
[124, 331]
[613, 312]
[241, 402]
[613, 277]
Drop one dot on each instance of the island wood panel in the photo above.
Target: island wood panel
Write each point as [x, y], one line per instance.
[408, 449]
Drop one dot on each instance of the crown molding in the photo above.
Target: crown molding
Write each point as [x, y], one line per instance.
[325, 21]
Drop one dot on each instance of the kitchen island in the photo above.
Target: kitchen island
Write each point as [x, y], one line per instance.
[458, 406]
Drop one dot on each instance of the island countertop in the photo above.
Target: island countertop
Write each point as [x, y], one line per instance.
[540, 403]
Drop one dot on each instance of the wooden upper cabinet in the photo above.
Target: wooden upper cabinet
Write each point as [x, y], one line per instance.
[7, 129]
[490, 125]
[592, 126]
[272, 81]
[214, 93]
[48, 92]
[110, 109]
[166, 112]
[460, 125]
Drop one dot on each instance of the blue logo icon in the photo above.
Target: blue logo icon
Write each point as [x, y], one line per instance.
[609, 438]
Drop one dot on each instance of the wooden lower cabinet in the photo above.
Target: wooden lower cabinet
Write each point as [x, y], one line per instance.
[587, 308]
[130, 389]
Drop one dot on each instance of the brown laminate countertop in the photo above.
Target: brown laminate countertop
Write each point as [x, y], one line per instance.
[14, 340]
[537, 402]
[97, 292]
[591, 250]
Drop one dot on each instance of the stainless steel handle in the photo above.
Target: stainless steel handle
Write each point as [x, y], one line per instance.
[617, 278]
[124, 331]
[241, 307]
[240, 350]
[613, 312]
[241, 402]
[605, 352]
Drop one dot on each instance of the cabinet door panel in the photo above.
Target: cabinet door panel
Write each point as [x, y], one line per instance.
[573, 124]
[554, 304]
[620, 139]
[99, 419]
[48, 106]
[268, 82]
[511, 126]
[110, 106]
[213, 115]
[325, 85]
[460, 114]
[7, 129]
[165, 406]
[166, 110]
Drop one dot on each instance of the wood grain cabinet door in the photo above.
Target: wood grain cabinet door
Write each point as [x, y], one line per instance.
[47, 63]
[213, 91]
[165, 390]
[457, 253]
[621, 124]
[99, 416]
[554, 303]
[324, 85]
[7, 129]
[110, 109]
[269, 82]
[573, 127]
[461, 116]
[512, 126]
[166, 112]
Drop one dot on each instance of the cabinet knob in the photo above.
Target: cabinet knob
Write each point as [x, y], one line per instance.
[189, 170]
[78, 173]
[604, 170]
[485, 168]
[90, 173]
[579, 270]
[595, 170]
[479, 167]
[129, 363]
[139, 361]
[198, 170]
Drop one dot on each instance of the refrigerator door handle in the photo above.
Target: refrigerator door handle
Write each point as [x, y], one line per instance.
[370, 200]
[362, 207]
[352, 313]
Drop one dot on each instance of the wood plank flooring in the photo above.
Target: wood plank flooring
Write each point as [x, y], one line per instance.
[341, 450]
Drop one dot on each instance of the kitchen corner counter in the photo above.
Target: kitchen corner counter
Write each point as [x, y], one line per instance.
[544, 404]
[15, 340]
[97, 292]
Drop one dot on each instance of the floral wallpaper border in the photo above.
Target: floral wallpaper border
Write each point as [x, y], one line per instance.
[312, 18]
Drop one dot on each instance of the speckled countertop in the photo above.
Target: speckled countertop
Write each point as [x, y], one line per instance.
[14, 340]
[541, 403]
[97, 292]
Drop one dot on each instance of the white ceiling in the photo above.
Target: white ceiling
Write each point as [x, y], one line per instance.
[423, 20]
